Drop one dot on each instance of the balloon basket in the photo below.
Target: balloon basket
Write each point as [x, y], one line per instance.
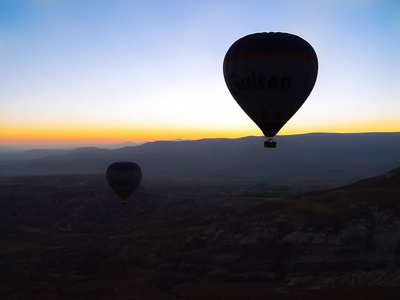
[270, 143]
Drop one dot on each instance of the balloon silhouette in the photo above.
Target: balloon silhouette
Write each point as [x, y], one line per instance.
[123, 178]
[270, 75]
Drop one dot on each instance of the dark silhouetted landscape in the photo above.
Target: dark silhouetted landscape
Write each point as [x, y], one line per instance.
[318, 157]
[316, 218]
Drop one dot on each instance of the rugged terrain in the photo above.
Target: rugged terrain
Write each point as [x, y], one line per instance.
[67, 237]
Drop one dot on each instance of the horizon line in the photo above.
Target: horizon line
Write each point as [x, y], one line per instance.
[26, 146]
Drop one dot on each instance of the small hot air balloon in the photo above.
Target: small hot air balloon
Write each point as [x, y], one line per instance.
[270, 75]
[124, 178]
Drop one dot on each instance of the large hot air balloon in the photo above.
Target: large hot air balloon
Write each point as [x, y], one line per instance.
[270, 75]
[124, 178]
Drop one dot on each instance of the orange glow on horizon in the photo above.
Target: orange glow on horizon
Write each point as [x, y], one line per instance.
[98, 134]
[62, 134]
[387, 125]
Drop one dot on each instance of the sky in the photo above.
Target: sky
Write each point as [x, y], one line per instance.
[95, 71]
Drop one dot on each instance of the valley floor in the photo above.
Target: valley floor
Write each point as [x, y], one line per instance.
[67, 237]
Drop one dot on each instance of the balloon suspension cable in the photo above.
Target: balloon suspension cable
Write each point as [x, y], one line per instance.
[270, 143]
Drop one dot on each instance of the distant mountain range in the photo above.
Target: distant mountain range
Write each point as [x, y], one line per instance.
[28, 152]
[344, 158]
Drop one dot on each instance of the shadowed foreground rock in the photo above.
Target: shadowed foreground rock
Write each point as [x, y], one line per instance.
[69, 238]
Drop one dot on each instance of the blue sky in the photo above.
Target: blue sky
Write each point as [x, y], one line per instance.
[146, 70]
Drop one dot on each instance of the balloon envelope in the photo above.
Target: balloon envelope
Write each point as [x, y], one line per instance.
[270, 75]
[124, 178]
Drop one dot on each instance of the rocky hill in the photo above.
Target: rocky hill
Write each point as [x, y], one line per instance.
[68, 237]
